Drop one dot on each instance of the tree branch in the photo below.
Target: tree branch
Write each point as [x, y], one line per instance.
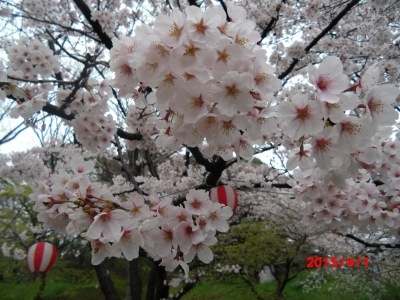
[105, 39]
[373, 245]
[225, 9]
[320, 36]
[193, 2]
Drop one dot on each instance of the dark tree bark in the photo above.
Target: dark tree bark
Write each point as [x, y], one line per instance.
[136, 286]
[162, 289]
[156, 289]
[151, 283]
[106, 284]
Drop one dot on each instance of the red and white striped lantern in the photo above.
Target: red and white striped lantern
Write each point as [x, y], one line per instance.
[41, 257]
[225, 195]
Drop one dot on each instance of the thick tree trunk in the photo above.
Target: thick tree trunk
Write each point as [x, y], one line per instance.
[281, 284]
[157, 288]
[279, 290]
[128, 284]
[136, 286]
[151, 283]
[106, 284]
[162, 288]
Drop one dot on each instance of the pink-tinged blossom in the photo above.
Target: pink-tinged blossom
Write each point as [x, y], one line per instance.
[394, 176]
[376, 207]
[197, 202]
[225, 57]
[129, 242]
[217, 218]
[164, 238]
[309, 217]
[172, 260]
[229, 132]
[190, 134]
[362, 205]
[172, 29]
[189, 54]
[334, 205]
[383, 218]
[187, 235]
[54, 203]
[243, 147]
[202, 249]
[126, 46]
[378, 102]
[28, 108]
[168, 84]
[336, 111]
[300, 157]
[233, 93]
[369, 79]
[153, 63]
[264, 80]
[147, 230]
[100, 251]
[303, 117]
[328, 79]
[79, 166]
[179, 215]
[353, 133]
[137, 208]
[164, 208]
[78, 184]
[224, 150]
[125, 75]
[319, 203]
[202, 26]
[263, 121]
[208, 125]
[192, 103]
[79, 221]
[324, 148]
[243, 33]
[108, 225]
[325, 215]
[367, 157]
[236, 12]
[154, 201]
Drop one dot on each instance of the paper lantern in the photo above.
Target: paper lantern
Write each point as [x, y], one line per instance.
[225, 195]
[40, 258]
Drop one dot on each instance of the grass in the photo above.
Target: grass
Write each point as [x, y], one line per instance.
[211, 291]
[54, 290]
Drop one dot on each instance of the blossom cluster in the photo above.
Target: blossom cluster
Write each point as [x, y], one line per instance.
[206, 97]
[12, 251]
[230, 269]
[136, 119]
[71, 202]
[28, 60]
[106, 18]
[92, 124]
[347, 281]
[339, 154]
[209, 79]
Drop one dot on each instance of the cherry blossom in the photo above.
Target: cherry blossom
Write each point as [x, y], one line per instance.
[303, 117]
[232, 94]
[328, 79]
[197, 203]
[204, 80]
